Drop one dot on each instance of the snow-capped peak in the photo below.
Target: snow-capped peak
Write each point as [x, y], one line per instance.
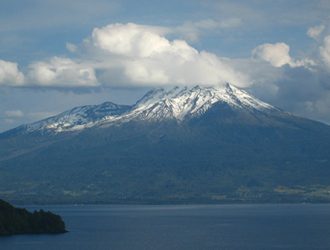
[178, 103]
[182, 102]
[79, 117]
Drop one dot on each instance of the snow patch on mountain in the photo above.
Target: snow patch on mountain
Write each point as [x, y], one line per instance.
[178, 103]
[79, 118]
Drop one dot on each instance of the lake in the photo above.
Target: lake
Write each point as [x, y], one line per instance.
[103, 227]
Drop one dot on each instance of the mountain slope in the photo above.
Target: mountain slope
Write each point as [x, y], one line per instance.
[75, 119]
[178, 103]
[182, 103]
[199, 144]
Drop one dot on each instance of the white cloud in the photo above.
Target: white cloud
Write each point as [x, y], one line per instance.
[277, 54]
[315, 31]
[62, 72]
[14, 113]
[10, 74]
[141, 55]
[146, 57]
[71, 47]
[130, 54]
[129, 39]
[325, 51]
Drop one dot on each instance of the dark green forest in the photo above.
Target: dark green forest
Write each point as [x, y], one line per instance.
[20, 221]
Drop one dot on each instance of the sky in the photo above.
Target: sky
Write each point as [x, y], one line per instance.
[56, 54]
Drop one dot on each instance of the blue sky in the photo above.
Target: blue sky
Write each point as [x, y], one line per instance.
[55, 55]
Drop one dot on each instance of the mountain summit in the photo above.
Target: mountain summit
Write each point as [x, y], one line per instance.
[178, 103]
[185, 144]
[182, 103]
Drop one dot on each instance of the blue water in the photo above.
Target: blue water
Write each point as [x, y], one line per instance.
[99, 227]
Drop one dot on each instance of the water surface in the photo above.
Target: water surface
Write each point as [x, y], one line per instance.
[202, 227]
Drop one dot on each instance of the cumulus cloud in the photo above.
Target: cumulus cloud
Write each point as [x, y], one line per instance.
[62, 72]
[325, 51]
[144, 56]
[129, 40]
[129, 54]
[315, 31]
[300, 90]
[277, 54]
[10, 75]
